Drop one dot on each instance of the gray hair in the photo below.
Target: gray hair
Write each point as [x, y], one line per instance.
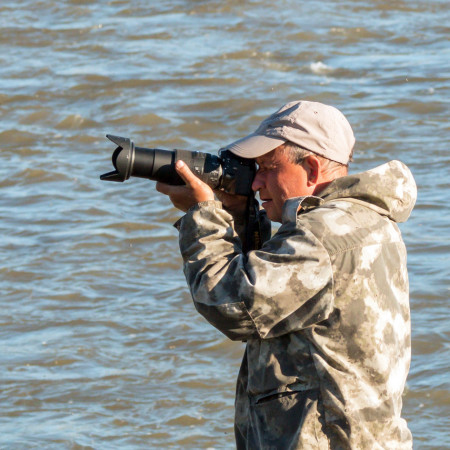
[297, 154]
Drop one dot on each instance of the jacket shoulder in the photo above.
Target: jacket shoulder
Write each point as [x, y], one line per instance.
[341, 225]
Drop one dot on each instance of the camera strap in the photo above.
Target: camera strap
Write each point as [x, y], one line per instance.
[252, 225]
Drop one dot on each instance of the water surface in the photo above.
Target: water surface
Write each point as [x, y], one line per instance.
[101, 345]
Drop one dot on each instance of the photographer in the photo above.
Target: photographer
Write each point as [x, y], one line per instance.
[323, 304]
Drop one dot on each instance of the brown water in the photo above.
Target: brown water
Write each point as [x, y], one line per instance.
[101, 346]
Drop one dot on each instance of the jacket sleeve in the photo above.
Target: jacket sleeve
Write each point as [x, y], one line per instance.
[285, 286]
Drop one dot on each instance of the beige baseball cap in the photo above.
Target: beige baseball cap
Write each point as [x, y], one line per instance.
[316, 127]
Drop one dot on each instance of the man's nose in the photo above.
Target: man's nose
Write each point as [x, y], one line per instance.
[258, 182]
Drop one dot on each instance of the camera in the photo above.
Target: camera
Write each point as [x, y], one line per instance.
[226, 172]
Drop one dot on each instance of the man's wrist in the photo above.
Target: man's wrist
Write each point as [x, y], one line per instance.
[205, 204]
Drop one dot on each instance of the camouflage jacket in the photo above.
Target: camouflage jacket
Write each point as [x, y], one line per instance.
[324, 308]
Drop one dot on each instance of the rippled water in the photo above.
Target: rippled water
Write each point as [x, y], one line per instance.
[101, 346]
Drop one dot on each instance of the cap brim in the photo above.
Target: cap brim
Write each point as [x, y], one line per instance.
[254, 145]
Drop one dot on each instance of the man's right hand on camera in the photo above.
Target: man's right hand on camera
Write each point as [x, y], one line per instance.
[236, 205]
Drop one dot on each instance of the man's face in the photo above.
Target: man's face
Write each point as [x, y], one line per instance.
[277, 180]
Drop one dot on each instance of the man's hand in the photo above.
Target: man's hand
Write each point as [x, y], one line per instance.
[184, 197]
[236, 205]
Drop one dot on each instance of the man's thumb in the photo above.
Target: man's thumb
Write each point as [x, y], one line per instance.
[185, 173]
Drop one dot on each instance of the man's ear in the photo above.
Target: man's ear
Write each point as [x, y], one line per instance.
[312, 166]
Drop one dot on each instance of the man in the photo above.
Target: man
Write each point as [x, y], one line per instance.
[323, 304]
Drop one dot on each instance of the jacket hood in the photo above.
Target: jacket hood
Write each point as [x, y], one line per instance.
[389, 189]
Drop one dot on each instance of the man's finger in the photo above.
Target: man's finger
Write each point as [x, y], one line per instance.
[163, 188]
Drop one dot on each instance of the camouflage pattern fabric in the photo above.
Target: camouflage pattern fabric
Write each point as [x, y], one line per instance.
[324, 308]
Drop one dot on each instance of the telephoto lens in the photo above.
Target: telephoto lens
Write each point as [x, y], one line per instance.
[226, 172]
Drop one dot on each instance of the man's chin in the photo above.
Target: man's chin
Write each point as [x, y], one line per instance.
[270, 211]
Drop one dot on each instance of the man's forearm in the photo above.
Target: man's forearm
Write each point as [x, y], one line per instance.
[264, 293]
